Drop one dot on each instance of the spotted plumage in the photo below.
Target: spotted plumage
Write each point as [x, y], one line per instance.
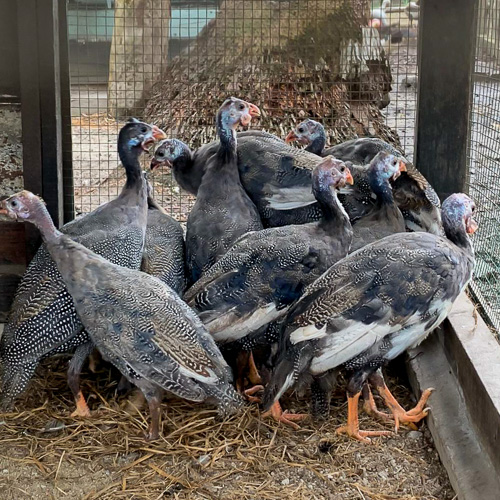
[137, 322]
[376, 303]
[164, 248]
[414, 195]
[222, 211]
[266, 271]
[43, 320]
[384, 218]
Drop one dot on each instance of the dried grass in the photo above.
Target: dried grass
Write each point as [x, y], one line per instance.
[45, 452]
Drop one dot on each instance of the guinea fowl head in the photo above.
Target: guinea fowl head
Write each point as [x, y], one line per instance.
[306, 132]
[167, 152]
[26, 206]
[457, 213]
[234, 112]
[137, 136]
[329, 173]
[386, 166]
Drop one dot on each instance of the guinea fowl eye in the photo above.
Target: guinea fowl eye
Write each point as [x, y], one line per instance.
[144, 130]
[342, 169]
[13, 203]
[160, 154]
[301, 130]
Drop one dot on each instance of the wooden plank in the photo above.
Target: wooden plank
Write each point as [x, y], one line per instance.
[446, 54]
[67, 143]
[30, 108]
[12, 249]
[12, 263]
[50, 107]
[9, 75]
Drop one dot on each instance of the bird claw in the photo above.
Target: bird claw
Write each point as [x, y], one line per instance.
[360, 435]
[82, 410]
[284, 416]
[249, 393]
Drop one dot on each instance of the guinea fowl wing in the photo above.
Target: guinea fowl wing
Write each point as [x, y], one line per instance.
[252, 283]
[363, 299]
[276, 173]
[150, 324]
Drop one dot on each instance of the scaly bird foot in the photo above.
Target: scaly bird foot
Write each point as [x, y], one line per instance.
[283, 416]
[363, 436]
[82, 410]
[249, 393]
[401, 416]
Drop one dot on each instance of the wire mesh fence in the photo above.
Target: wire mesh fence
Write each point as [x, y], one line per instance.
[484, 157]
[351, 65]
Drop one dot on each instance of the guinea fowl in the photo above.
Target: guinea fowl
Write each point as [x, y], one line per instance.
[369, 308]
[222, 211]
[384, 218]
[43, 320]
[137, 322]
[188, 167]
[275, 175]
[266, 271]
[413, 194]
[164, 248]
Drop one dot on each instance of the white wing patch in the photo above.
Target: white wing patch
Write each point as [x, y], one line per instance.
[290, 198]
[308, 332]
[234, 328]
[346, 344]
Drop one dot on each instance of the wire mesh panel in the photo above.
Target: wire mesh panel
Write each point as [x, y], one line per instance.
[350, 64]
[484, 157]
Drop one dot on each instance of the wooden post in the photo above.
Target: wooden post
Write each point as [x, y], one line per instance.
[67, 142]
[41, 101]
[446, 54]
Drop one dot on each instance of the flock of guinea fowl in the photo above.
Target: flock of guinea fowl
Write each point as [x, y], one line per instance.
[297, 265]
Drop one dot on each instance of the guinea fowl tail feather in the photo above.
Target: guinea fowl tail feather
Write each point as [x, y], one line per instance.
[292, 363]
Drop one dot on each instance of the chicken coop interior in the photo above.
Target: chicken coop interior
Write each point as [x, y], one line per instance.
[421, 75]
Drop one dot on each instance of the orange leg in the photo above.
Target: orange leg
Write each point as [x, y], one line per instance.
[246, 370]
[370, 407]
[82, 410]
[154, 428]
[283, 416]
[253, 373]
[249, 393]
[399, 413]
[352, 427]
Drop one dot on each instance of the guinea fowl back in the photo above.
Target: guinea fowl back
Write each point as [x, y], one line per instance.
[43, 320]
[164, 248]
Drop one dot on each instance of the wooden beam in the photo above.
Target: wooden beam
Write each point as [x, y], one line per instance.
[30, 109]
[446, 53]
[45, 107]
[67, 143]
[50, 107]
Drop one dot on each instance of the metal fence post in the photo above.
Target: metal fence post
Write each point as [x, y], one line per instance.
[446, 56]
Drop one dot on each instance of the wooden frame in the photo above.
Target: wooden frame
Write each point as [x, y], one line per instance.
[45, 104]
[445, 57]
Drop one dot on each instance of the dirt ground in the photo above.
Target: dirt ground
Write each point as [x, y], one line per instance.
[47, 454]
